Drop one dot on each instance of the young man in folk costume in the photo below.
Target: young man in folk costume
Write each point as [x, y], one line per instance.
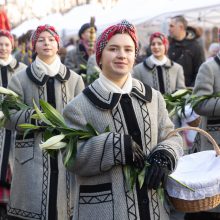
[138, 122]
[41, 186]
[8, 67]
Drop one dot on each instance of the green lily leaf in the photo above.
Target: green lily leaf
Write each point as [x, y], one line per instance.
[131, 175]
[71, 152]
[160, 193]
[22, 106]
[141, 177]
[26, 132]
[28, 126]
[86, 137]
[36, 116]
[107, 129]
[41, 115]
[92, 130]
[2, 122]
[52, 114]
[48, 133]
[5, 110]
[127, 173]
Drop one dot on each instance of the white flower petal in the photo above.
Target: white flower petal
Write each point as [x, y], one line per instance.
[7, 91]
[57, 146]
[1, 115]
[51, 141]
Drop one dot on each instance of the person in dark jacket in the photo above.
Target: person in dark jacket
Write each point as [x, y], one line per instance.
[185, 49]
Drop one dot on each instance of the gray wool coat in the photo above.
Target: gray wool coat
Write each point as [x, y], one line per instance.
[74, 58]
[172, 74]
[31, 184]
[101, 191]
[208, 83]
[7, 137]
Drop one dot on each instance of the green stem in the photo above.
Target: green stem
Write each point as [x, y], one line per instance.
[182, 184]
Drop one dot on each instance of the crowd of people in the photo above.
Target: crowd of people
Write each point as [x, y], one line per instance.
[126, 96]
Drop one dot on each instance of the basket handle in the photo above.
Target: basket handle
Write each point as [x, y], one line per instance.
[210, 138]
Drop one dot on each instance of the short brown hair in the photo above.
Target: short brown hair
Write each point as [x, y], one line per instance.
[181, 19]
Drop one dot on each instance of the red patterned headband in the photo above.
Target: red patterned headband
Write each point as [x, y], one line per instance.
[7, 34]
[41, 29]
[162, 37]
[123, 27]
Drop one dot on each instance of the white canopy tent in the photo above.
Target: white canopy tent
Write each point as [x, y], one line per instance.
[139, 12]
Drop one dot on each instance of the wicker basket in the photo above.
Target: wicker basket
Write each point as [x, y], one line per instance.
[202, 204]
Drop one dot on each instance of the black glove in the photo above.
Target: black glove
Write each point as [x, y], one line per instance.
[159, 169]
[138, 155]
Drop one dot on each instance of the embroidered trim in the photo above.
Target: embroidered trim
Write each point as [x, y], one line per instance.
[22, 213]
[155, 205]
[147, 128]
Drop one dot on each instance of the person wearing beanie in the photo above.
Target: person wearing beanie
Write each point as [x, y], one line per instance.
[41, 186]
[207, 83]
[8, 67]
[138, 125]
[78, 56]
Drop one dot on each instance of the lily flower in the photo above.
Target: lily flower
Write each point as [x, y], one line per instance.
[1, 115]
[8, 92]
[52, 141]
[56, 146]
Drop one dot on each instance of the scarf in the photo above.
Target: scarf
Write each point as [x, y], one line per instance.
[109, 86]
[6, 62]
[49, 69]
[157, 62]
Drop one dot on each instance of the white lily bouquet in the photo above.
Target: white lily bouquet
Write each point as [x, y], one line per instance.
[53, 123]
[176, 102]
[56, 134]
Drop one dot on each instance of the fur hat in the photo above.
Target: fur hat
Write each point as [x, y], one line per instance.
[122, 27]
[163, 39]
[7, 34]
[41, 29]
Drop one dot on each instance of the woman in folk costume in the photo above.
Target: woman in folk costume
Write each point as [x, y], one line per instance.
[138, 123]
[208, 83]
[158, 71]
[8, 67]
[41, 187]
